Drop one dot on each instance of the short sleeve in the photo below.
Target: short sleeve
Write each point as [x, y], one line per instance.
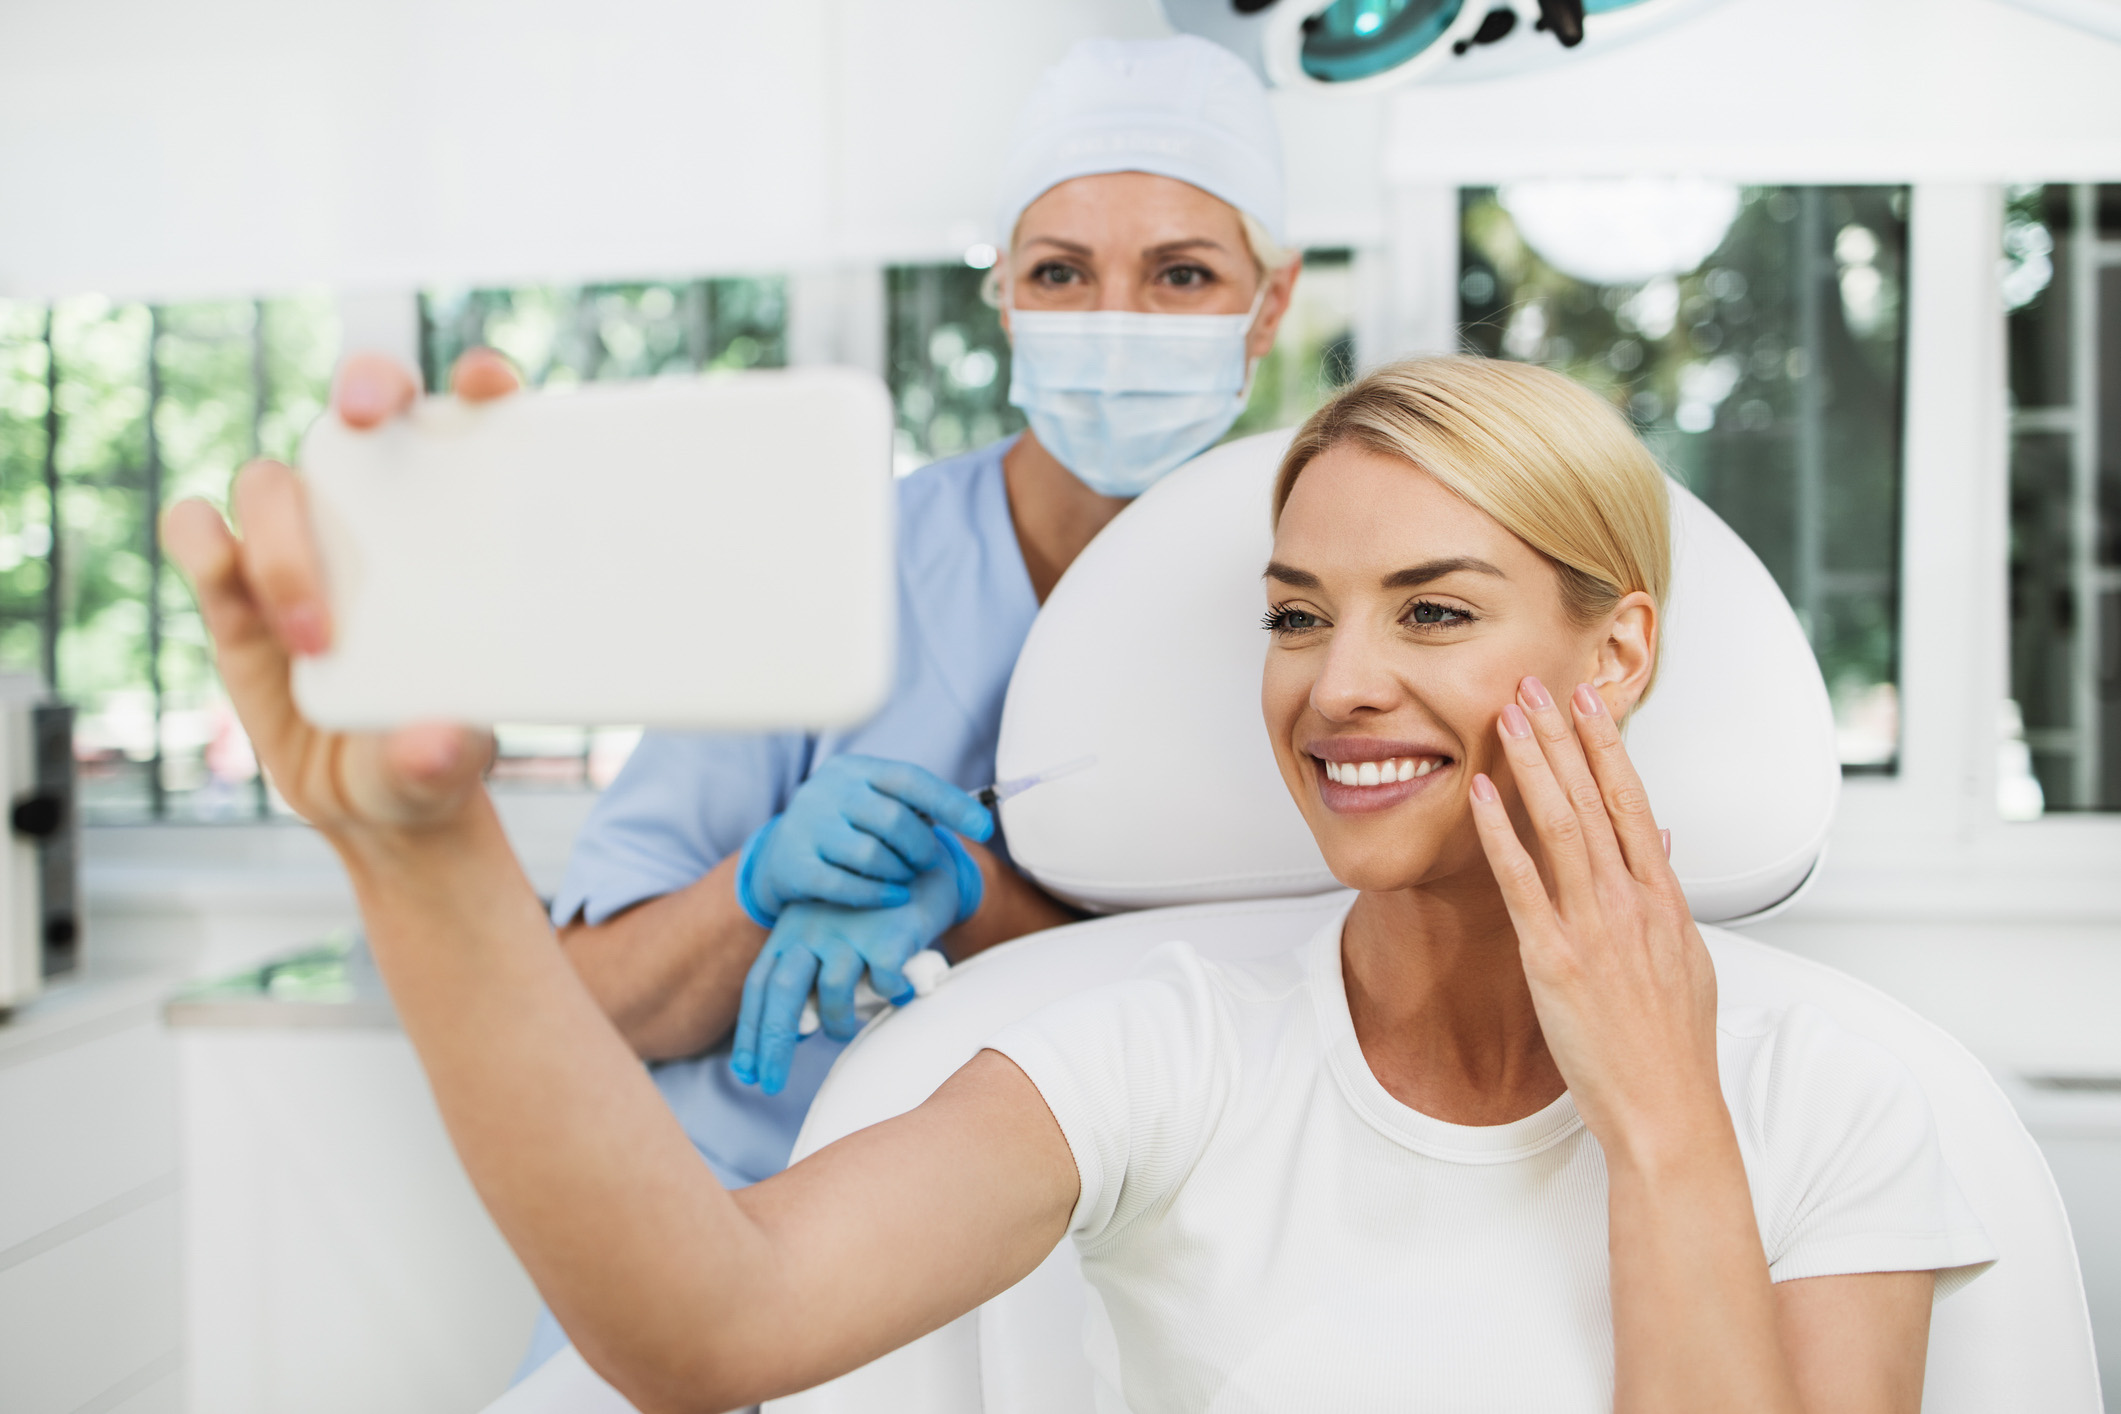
[1849, 1175]
[1136, 1074]
[681, 804]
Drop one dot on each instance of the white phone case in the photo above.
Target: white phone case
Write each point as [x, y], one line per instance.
[707, 552]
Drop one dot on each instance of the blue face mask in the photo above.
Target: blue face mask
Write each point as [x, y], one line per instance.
[1121, 398]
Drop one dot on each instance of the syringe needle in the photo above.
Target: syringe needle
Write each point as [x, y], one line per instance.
[1001, 790]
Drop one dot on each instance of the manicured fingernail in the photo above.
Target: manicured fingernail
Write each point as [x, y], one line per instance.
[1666, 836]
[1588, 701]
[1534, 693]
[302, 628]
[1483, 788]
[1515, 722]
[361, 402]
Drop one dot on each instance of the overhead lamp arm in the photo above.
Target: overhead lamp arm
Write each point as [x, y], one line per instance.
[1563, 19]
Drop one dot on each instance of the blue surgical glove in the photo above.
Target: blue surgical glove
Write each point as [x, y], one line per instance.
[828, 947]
[854, 834]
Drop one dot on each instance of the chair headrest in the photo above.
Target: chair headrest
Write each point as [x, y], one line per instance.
[1147, 657]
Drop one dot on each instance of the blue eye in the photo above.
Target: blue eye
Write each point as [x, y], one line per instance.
[1428, 615]
[1286, 618]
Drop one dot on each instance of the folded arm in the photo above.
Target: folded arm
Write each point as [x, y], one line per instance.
[669, 972]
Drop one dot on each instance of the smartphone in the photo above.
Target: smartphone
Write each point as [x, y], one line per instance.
[711, 552]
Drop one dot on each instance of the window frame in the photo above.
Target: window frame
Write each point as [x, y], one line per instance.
[1930, 843]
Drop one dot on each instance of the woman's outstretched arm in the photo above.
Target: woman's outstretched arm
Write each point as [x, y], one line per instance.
[683, 1295]
[1626, 996]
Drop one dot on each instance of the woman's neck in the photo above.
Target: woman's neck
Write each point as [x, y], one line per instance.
[1054, 513]
[1441, 1006]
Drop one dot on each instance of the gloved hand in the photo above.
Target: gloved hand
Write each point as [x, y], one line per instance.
[828, 947]
[853, 834]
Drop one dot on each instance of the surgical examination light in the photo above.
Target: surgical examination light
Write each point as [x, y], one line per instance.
[1350, 45]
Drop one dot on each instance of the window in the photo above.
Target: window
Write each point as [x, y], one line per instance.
[2062, 285]
[948, 359]
[108, 413]
[1755, 337]
[1314, 351]
[559, 336]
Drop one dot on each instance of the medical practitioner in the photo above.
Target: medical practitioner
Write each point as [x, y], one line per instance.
[1143, 280]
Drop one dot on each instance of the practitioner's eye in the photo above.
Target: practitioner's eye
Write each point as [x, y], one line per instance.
[1189, 277]
[1055, 274]
[1287, 621]
[1428, 614]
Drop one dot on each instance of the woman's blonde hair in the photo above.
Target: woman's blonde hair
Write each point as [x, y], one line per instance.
[1551, 462]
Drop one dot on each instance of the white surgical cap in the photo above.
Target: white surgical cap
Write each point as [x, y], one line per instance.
[1179, 107]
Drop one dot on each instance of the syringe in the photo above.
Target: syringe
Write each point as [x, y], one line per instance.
[1000, 791]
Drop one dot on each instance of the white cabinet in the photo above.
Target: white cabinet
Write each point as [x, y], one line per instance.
[336, 1259]
[89, 1286]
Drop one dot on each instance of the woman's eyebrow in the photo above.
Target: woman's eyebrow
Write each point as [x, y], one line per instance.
[1414, 576]
[1072, 247]
[1191, 243]
[1288, 574]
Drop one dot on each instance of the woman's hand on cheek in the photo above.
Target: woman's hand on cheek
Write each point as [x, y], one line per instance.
[1623, 984]
[262, 599]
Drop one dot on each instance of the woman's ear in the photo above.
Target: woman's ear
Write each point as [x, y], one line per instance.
[1627, 654]
[1281, 289]
[995, 291]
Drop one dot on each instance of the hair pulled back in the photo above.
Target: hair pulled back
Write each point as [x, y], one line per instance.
[1550, 461]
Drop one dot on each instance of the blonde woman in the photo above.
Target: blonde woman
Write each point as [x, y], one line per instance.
[1485, 1143]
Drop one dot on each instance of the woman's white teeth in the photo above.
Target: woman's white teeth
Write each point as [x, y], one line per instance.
[1373, 773]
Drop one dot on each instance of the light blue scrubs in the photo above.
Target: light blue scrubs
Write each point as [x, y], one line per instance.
[684, 802]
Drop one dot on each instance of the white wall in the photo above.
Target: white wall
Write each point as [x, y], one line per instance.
[238, 146]
[1790, 91]
[245, 146]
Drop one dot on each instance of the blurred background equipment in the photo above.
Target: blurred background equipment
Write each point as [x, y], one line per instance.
[2100, 17]
[1350, 45]
[40, 926]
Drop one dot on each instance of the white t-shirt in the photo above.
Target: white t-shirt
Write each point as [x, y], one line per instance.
[1266, 1229]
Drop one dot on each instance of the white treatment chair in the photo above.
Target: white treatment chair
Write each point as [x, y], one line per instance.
[1147, 657]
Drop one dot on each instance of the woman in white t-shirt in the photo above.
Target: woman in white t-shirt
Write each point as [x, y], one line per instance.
[1486, 1143]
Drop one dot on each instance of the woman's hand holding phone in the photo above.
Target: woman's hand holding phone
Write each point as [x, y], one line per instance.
[262, 597]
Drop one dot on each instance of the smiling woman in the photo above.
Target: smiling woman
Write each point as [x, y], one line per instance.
[1488, 1133]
